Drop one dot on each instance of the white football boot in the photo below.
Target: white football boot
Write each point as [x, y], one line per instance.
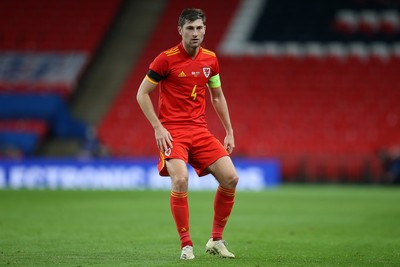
[187, 253]
[218, 248]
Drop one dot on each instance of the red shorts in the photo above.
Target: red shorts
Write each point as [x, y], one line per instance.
[194, 145]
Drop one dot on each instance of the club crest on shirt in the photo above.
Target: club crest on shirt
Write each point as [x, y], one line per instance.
[207, 71]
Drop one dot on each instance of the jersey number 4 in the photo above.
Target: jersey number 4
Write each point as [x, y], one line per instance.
[194, 94]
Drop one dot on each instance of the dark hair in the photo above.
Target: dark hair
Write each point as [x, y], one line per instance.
[190, 15]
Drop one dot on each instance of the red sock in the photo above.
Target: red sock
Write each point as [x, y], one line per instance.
[223, 203]
[180, 212]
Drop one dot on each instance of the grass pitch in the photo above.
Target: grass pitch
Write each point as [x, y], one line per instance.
[287, 226]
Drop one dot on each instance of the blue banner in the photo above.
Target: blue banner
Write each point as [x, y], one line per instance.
[123, 174]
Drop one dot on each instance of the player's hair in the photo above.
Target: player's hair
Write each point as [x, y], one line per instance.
[190, 15]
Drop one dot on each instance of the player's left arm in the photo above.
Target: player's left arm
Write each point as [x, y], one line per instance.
[221, 108]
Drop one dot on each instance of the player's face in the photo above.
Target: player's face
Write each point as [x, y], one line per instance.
[192, 33]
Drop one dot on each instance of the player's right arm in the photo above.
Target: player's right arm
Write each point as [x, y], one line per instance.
[163, 137]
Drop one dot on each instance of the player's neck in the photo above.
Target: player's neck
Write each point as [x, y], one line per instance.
[191, 51]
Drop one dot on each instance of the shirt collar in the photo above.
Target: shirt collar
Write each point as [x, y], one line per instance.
[182, 49]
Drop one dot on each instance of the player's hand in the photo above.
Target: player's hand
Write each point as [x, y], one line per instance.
[163, 139]
[229, 143]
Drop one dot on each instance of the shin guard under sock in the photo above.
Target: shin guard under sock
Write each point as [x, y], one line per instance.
[223, 203]
[180, 212]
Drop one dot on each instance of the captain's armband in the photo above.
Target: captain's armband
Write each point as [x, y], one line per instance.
[214, 81]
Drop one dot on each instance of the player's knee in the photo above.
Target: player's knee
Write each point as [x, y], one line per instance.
[231, 182]
[180, 183]
[234, 180]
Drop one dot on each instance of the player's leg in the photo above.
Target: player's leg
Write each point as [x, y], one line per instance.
[225, 173]
[178, 172]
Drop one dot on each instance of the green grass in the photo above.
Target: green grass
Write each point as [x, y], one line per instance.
[287, 226]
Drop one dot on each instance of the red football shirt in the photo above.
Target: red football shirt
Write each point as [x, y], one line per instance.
[183, 84]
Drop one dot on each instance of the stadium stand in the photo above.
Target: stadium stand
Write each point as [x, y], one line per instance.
[45, 46]
[322, 101]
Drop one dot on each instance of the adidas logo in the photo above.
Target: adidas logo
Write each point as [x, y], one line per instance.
[225, 219]
[182, 74]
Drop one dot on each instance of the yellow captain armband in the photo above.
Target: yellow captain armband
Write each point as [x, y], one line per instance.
[214, 81]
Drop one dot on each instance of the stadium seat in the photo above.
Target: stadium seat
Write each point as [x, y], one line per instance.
[24, 125]
[390, 22]
[50, 108]
[346, 21]
[24, 142]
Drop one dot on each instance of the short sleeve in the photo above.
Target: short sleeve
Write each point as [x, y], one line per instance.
[160, 65]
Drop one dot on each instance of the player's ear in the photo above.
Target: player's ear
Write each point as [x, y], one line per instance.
[180, 30]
